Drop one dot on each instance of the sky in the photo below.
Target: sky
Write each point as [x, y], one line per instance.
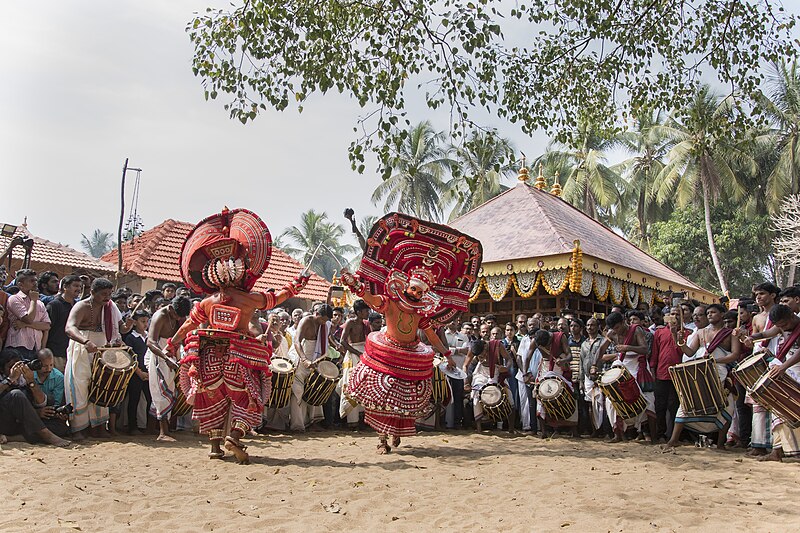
[87, 84]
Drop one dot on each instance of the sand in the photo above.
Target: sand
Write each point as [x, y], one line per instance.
[334, 481]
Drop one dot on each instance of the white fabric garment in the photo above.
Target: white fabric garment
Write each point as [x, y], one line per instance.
[301, 414]
[347, 409]
[162, 383]
[631, 362]
[77, 379]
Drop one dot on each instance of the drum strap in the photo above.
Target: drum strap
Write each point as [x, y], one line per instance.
[787, 344]
[718, 339]
[492, 355]
[108, 320]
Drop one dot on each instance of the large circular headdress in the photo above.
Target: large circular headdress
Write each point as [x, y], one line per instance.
[445, 259]
[231, 248]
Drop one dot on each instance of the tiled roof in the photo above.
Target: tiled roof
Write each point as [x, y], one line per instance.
[525, 222]
[53, 253]
[156, 254]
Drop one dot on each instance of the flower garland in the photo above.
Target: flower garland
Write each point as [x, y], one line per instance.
[576, 275]
[617, 291]
[526, 283]
[497, 286]
[600, 287]
[555, 281]
[587, 282]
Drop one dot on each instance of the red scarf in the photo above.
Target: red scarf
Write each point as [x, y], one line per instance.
[765, 343]
[323, 340]
[108, 319]
[787, 344]
[491, 354]
[718, 339]
[643, 374]
[555, 353]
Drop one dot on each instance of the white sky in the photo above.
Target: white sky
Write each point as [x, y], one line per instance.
[86, 84]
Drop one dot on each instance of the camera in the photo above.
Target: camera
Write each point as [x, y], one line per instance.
[65, 409]
[34, 364]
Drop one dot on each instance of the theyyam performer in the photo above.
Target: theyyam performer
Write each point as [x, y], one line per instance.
[225, 371]
[419, 275]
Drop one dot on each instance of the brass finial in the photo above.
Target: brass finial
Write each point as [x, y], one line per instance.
[540, 183]
[555, 190]
[523, 171]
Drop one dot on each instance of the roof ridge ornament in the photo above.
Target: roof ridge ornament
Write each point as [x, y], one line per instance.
[540, 182]
[523, 171]
[555, 190]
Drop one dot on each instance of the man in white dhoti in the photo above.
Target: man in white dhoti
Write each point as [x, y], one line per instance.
[354, 337]
[716, 341]
[92, 323]
[310, 344]
[590, 350]
[161, 367]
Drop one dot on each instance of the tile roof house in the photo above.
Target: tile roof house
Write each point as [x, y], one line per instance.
[48, 255]
[154, 257]
[542, 246]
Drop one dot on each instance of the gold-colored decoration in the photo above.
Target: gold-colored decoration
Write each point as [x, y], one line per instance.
[555, 190]
[476, 290]
[540, 182]
[601, 287]
[523, 172]
[555, 281]
[497, 286]
[616, 291]
[577, 268]
[526, 283]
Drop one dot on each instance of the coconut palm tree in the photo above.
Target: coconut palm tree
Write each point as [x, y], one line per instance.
[480, 166]
[782, 107]
[638, 207]
[418, 169]
[98, 244]
[589, 184]
[700, 160]
[316, 233]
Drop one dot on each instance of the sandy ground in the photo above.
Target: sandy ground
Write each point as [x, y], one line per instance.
[455, 481]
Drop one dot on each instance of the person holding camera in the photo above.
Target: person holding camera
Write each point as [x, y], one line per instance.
[51, 382]
[28, 316]
[23, 404]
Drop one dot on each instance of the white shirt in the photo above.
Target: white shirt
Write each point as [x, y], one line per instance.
[455, 340]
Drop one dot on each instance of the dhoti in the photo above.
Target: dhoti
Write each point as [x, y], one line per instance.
[594, 396]
[77, 379]
[348, 407]
[616, 421]
[162, 384]
[302, 415]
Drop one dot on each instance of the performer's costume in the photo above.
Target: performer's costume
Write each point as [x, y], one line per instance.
[225, 372]
[393, 379]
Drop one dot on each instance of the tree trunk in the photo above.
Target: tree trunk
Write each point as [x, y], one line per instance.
[711, 247]
[790, 277]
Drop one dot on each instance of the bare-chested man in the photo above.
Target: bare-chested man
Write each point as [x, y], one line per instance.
[92, 323]
[311, 341]
[354, 336]
[715, 341]
[162, 367]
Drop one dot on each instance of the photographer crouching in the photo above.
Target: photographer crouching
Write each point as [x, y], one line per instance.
[23, 404]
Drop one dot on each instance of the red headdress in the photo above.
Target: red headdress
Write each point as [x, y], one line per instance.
[443, 258]
[231, 248]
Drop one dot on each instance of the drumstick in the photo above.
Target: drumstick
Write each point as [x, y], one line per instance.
[137, 306]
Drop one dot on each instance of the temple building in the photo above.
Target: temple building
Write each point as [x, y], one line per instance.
[541, 254]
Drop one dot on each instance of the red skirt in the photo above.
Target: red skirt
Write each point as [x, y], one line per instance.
[391, 403]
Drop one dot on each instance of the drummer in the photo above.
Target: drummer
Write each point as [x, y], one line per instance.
[554, 361]
[93, 322]
[786, 441]
[630, 345]
[717, 341]
[354, 337]
[311, 340]
[491, 355]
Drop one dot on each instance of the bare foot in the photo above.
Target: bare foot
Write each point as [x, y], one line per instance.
[383, 448]
[54, 440]
[164, 438]
[78, 436]
[776, 455]
[668, 447]
[3, 439]
[395, 441]
[615, 439]
[238, 449]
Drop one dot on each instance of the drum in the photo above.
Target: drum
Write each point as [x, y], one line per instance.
[321, 382]
[556, 397]
[620, 387]
[698, 387]
[749, 371]
[780, 394]
[282, 378]
[182, 407]
[441, 392]
[112, 369]
[495, 402]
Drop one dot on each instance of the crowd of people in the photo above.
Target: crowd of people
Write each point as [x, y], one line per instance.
[556, 375]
